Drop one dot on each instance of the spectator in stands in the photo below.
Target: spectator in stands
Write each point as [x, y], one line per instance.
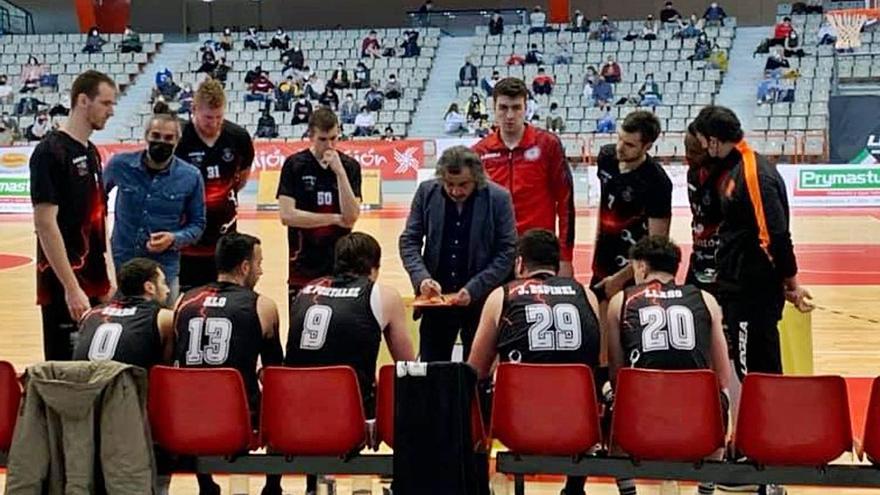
[424, 13]
[516, 59]
[186, 99]
[579, 23]
[254, 40]
[221, 72]
[714, 15]
[389, 134]
[39, 128]
[649, 93]
[631, 35]
[339, 78]
[467, 74]
[266, 126]
[251, 75]
[31, 73]
[94, 41]
[588, 88]
[295, 57]
[611, 70]
[280, 40]
[6, 135]
[284, 94]
[329, 99]
[792, 45]
[389, 48]
[209, 60]
[488, 83]
[605, 124]
[768, 88]
[370, 46]
[781, 31]
[131, 41]
[226, 39]
[563, 53]
[9, 122]
[690, 29]
[702, 48]
[454, 122]
[603, 93]
[555, 121]
[534, 55]
[393, 89]
[649, 28]
[496, 24]
[364, 123]
[410, 44]
[315, 86]
[160, 105]
[261, 88]
[374, 98]
[361, 76]
[591, 75]
[606, 31]
[302, 110]
[482, 128]
[718, 60]
[668, 14]
[532, 108]
[827, 34]
[5, 90]
[537, 20]
[775, 61]
[475, 109]
[348, 110]
[543, 83]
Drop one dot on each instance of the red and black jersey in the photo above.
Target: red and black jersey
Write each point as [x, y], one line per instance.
[217, 326]
[665, 326]
[124, 330]
[539, 180]
[626, 203]
[66, 173]
[223, 166]
[315, 189]
[703, 194]
[547, 319]
[332, 322]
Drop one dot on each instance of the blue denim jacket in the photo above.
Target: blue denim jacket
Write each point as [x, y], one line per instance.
[172, 200]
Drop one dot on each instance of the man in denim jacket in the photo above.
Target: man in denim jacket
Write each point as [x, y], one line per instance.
[160, 203]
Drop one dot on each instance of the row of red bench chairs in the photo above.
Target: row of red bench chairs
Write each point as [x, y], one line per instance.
[789, 429]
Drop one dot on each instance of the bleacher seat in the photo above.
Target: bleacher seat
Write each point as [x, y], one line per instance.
[10, 399]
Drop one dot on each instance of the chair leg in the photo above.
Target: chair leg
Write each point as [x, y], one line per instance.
[519, 484]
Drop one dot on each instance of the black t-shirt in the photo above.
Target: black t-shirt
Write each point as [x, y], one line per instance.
[222, 167]
[332, 323]
[547, 319]
[125, 330]
[314, 188]
[703, 194]
[665, 326]
[627, 201]
[67, 174]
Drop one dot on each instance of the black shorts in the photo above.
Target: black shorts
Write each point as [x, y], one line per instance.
[60, 332]
[196, 271]
[752, 336]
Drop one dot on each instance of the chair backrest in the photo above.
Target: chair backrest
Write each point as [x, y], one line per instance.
[545, 409]
[667, 415]
[312, 411]
[793, 420]
[10, 399]
[385, 405]
[199, 411]
[871, 438]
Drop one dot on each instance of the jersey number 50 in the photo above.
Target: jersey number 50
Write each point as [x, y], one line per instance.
[556, 328]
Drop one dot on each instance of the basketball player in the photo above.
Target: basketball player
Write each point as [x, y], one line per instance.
[319, 197]
[704, 178]
[69, 215]
[530, 163]
[539, 296]
[658, 324]
[225, 324]
[223, 152]
[133, 328]
[635, 201]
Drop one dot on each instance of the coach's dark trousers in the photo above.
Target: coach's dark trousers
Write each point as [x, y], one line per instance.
[441, 326]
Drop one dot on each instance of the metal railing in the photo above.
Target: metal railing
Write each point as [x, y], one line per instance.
[464, 19]
[15, 19]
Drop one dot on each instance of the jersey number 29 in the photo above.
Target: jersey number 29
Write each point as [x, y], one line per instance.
[553, 328]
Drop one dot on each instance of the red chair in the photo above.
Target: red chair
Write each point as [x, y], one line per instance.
[312, 411]
[871, 440]
[199, 411]
[667, 415]
[385, 405]
[793, 420]
[545, 409]
[10, 399]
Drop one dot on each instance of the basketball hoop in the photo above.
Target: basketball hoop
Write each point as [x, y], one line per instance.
[848, 24]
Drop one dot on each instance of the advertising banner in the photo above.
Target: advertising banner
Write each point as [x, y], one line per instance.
[854, 130]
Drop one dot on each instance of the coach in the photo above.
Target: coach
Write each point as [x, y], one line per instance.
[460, 238]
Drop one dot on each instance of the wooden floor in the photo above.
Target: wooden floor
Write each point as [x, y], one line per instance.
[835, 245]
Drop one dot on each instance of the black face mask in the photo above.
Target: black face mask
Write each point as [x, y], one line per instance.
[160, 151]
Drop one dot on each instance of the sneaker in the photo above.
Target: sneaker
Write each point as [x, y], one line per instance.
[737, 487]
[271, 490]
[772, 490]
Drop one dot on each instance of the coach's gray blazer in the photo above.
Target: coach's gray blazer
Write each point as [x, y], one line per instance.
[492, 243]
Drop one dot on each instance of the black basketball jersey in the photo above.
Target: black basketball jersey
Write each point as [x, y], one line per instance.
[665, 326]
[332, 323]
[627, 201]
[547, 319]
[705, 201]
[217, 326]
[125, 330]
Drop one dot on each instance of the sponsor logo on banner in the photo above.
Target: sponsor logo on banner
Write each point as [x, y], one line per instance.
[15, 160]
[15, 194]
[838, 181]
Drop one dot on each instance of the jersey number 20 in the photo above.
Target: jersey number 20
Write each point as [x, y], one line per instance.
[556, 328]
[219, 332]
[664, 327]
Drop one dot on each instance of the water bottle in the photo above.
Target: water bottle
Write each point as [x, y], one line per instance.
[239, 484]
